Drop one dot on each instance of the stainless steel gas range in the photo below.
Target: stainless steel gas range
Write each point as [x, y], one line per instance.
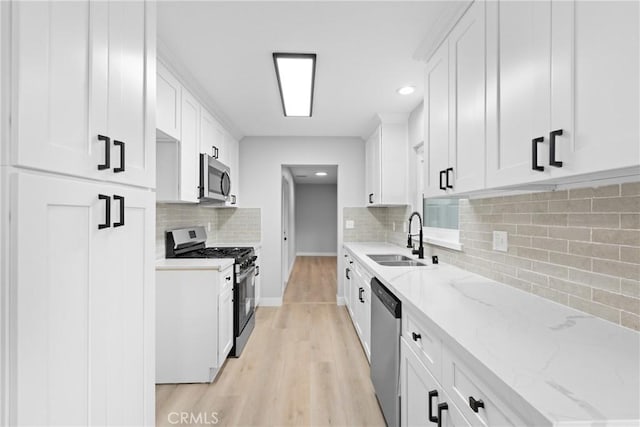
[191, 243]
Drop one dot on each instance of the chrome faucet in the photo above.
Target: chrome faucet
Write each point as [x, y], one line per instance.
[420, 250]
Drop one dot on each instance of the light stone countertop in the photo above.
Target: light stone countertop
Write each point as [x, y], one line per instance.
[571, 367]
[194, 263]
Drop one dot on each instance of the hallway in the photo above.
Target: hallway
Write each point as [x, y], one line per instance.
[302, 366]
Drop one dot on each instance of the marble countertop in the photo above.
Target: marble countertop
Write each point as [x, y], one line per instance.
[194, 263]
[571, 367]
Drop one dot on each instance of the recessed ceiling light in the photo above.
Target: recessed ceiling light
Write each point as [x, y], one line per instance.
[296, 75]
[406, 90]
[321, 174]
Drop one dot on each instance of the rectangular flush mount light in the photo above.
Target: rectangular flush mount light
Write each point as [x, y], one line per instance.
[296, 74]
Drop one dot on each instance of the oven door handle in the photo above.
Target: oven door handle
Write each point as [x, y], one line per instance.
[247, 273]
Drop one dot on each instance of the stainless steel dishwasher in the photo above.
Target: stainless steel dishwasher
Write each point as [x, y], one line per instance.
[386, 315]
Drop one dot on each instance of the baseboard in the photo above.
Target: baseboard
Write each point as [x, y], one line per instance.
[316, 254]
[340, 300]
[270, 302]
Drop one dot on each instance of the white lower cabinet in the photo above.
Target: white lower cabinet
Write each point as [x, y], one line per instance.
[83, 289]
[361, 301]
[194, 323]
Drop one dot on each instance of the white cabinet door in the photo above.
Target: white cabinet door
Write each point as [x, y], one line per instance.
[519, 89]
[189, 148]
[225, 315]
[365, 319]
[84, 299]
[606, 87]
[208, 132]
[373, 166]
[84, 69]
[231, 159]
[421, 395]
[436, 122]
[348, 283]
[467, 67]
[168, 103]
[124, 96]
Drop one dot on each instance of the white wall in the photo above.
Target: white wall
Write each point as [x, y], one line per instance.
[261, 182]
[316, 219]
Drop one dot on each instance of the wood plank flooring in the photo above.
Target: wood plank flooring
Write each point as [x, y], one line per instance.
[303, 366]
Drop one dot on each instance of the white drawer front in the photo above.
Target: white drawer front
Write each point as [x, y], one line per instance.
[424, 342]
[226, 279]
[462, 385]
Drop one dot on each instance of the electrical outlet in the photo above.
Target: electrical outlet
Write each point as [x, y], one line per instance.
[208, 226]
[500, 241]
[349, 224]
[393, 226]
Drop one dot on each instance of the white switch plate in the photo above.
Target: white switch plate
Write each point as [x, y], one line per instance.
[208, 226]
[349, 224]
[393, 226]
[500, 241]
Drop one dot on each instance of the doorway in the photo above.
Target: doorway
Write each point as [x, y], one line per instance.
[313, 277]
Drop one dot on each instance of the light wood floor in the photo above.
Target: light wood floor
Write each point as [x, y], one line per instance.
[303, 365]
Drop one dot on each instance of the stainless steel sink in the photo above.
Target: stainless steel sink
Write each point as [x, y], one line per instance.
[406, 263]
[393, 260]
[389, 258]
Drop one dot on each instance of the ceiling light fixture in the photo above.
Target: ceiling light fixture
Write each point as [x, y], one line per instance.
[321, 174]
[406, 90]
[296, 78]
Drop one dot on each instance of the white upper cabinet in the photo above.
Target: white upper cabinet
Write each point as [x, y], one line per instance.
[168, 103]
[208, 133]
[232, 159]
[84, 69]
[386, 163]
[436, 123]
[189, 148]
[467, 92]
[519, 72]
[563, 89]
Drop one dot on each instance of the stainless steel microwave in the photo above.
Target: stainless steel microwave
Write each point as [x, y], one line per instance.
[215, 182]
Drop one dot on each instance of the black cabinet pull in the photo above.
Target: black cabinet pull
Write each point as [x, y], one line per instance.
[441, 407]
[432, 394]
[442, 187]
[121, 145]
[552, 148]
[475, 404]
[107, 211]
[447, 173]
[107, 152]
[214, 150]
[360, 291]
[346, 272]
[121, 200]
[228, 278]
[257, 271]
[416, 336]
[233, 199]
[534, 154]
[371, 198]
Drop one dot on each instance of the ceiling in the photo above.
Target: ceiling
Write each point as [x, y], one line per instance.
[306, 174]
[365, 53]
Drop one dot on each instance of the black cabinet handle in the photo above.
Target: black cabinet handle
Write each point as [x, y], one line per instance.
[552, 148]
[447, 173]
[346, 272]
[534, 154]
[475, 404]
[107, 211]
[416, 336]
[441, 407]
[107, 152]
[121, 200]
[360, 291]
[257, 271]
[233, 199]
[228, 278]
[214, 151]
[121, 145]
[371, 198]
[432, 394]
[442, 187]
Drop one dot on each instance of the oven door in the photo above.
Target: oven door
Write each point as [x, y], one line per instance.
[215, 182]
[244, 299]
